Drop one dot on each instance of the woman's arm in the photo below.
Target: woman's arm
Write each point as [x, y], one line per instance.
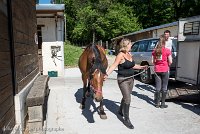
[139, 67]
[117, 61]
[170, 60]
[152, 59]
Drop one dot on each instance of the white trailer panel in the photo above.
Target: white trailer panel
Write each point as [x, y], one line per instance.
[189, 29]
[188, 57]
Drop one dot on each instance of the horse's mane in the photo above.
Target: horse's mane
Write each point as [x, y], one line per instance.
[97, 63]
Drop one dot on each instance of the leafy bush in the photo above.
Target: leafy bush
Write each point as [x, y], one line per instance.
[71, 54]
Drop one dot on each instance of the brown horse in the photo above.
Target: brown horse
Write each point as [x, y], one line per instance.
[93, 64]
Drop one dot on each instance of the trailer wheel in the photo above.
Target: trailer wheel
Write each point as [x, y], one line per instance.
[146, 77]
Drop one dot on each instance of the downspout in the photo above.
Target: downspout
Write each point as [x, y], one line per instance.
[65, 26]
[56, 27]
[12, 51]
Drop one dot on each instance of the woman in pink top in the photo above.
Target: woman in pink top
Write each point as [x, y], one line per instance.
[162, 59]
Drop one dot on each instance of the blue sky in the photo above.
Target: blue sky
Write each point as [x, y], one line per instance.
[44, 1]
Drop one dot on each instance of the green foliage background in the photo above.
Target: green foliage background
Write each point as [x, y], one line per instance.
[94, 20]
[106, 19]
[71, 54]
[89, 20]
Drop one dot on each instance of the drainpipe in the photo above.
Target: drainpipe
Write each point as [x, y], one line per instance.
[56, 27]
[12, 51]
[65, 26]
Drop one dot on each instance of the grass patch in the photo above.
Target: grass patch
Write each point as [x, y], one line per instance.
[71, 54]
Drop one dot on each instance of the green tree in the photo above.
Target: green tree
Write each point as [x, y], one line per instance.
[86, 24]
[104, 20]
[151, 12]
[71, 10]
[186, 8]
[120, 20]
[156, 12]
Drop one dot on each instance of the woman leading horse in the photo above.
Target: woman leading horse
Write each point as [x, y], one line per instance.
[93, 64]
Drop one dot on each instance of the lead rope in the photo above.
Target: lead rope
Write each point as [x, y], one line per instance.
[141, 73]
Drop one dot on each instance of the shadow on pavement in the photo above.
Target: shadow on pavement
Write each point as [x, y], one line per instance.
[143, 97]
[87, 113]
[145, 87]
[192, 107]
[113, 107]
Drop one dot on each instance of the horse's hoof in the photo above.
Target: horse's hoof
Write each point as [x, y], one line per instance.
[82, 106]
[103, 116]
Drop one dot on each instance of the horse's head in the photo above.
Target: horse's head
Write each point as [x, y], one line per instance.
[96, 81]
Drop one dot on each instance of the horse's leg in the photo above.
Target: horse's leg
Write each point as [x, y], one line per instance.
[101, 111]
[88, 89]
[82, 106]
[84, 78]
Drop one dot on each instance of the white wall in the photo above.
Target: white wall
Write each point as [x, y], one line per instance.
[49, 30]
[20, 107]
[172, 29]
[53, 64]
[52, 35]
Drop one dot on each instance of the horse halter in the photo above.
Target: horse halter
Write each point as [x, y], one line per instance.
[95, 90]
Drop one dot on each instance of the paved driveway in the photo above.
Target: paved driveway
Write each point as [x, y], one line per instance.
[65, 116]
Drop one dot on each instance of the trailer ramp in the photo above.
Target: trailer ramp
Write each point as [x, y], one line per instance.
[184, 91]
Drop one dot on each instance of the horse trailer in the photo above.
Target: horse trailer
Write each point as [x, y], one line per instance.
[187, 61]
[188, 56]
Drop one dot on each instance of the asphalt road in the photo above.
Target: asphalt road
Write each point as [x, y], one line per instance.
[65, 117]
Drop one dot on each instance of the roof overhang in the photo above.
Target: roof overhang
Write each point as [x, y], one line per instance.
[50, 10]
[148, 29]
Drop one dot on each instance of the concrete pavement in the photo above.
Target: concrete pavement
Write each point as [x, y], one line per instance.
[65, 117]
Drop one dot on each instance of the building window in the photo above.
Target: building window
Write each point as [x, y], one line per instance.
[191, 28]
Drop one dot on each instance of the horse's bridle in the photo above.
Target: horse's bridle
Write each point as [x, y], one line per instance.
[91, 84]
